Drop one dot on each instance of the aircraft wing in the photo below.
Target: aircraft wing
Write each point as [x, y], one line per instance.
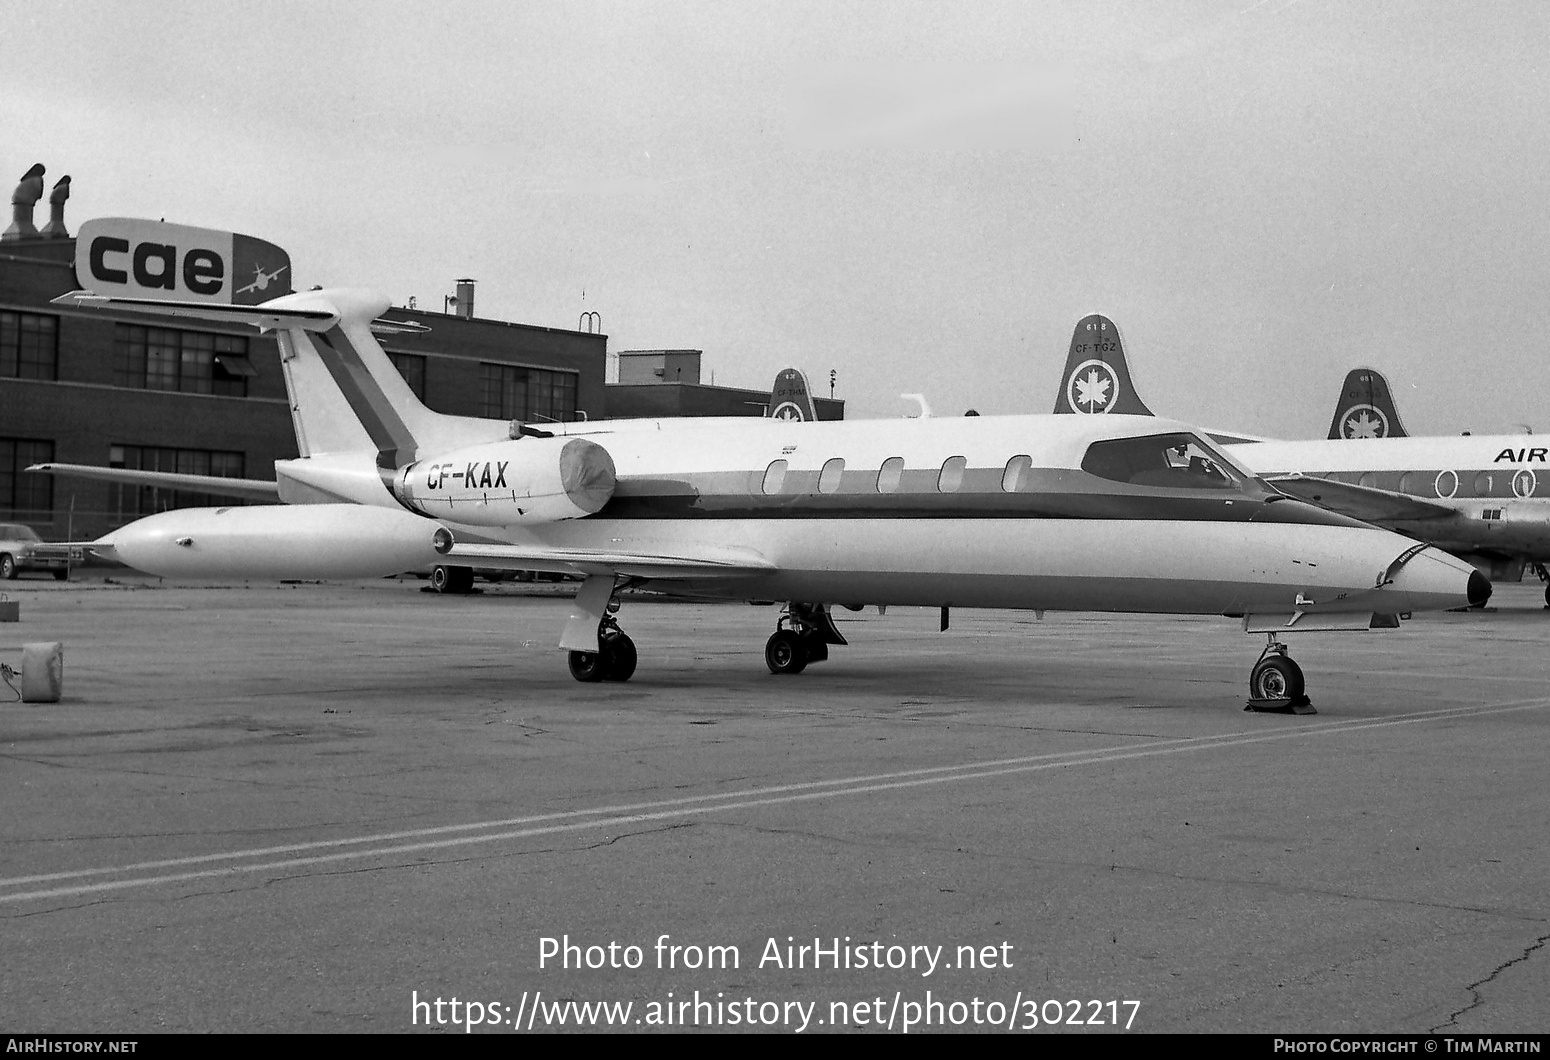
[246, 488]
[703, 563]
[1360, 502]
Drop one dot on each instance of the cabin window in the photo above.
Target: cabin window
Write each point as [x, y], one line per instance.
[951, 478]
[1018, 475]
[1170, 461]
[1483, 484]
[1410, 482]
[829, 477]
[1447, 484]
[774, 476]
[889, 475]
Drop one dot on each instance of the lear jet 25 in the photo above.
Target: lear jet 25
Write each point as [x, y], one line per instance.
[1471, 495]
[1031, 512]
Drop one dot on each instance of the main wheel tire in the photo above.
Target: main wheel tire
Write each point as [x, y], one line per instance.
[61, 575]
[1276, 677]
[784, 653]
[618, 657]
[1547, 596]
[445, 579]
[587, 666]
[7, 566]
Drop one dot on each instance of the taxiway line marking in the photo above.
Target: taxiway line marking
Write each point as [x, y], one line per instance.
[667, 809]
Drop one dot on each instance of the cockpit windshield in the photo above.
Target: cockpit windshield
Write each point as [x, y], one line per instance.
[1169, 461]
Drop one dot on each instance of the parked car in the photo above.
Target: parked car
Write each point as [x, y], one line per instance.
[22, 549]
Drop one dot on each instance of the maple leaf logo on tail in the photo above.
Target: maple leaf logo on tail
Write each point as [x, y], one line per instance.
[1364, 421]
[1093, 387]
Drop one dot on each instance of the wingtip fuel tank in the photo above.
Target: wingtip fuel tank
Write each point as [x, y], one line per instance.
[276, 541]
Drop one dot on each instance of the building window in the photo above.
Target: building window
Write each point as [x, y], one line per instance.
[24, 497]
[29, 346]
[513, 393]
[412, 367]
[131, 501]
[195, 362]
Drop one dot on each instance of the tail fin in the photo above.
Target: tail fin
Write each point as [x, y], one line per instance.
[790, 398]
[1366, 408]
[1096, 378]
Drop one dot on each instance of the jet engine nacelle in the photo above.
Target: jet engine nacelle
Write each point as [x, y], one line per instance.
[525, 480]
[276, 541]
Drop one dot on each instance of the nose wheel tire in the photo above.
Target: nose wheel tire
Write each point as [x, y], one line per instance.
[784, 653]
[1276, 677]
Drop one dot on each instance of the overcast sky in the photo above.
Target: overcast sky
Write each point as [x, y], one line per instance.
[918, 196]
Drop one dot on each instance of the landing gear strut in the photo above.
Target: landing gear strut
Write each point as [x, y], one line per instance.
[592, 622]
[1276, 684]
[803, 635]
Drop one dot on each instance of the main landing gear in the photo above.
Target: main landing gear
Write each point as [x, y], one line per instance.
[1276, 684]
[802, 635]
[1544, 576]
[613, 661]
[592, 622]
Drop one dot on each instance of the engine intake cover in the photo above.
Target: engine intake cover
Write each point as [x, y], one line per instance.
[524, 480]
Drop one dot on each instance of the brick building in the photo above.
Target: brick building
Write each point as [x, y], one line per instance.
[96, 388]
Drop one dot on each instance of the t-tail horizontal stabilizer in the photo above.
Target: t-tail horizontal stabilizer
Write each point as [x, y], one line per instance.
[1097, 379]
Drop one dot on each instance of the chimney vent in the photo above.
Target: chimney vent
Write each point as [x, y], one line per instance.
[26, 195]
[465, 298]
[55, 229]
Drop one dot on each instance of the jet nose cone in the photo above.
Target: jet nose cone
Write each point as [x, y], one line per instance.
[1479, 589]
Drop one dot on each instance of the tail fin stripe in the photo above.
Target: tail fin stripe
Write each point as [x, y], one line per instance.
[386, 428]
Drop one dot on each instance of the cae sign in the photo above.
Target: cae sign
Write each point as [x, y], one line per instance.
[133, 258]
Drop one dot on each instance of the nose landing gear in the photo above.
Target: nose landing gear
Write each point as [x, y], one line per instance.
[1276, 683]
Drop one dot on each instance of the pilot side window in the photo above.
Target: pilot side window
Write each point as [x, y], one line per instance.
[951, 478]
[774, 476]
[1170, 461]
[889, 475]
[829, 477]
[1018, 475]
